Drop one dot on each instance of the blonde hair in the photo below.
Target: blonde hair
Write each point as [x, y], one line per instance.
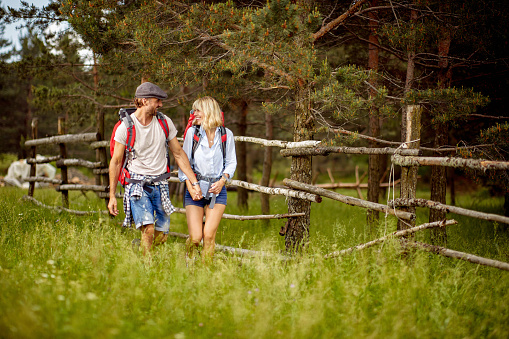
[211, 112]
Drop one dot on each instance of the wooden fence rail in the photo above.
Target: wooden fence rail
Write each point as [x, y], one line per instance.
[46, 160]
[63, 139]
[407, 158]
[477, 164]
[448, 209]
[324, 151]
[348, 200]
[458, 255]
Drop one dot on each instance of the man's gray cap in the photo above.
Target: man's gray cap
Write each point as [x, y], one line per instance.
[150, 90]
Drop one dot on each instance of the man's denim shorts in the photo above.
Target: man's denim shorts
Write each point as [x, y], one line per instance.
[144, 208]
[220, 199]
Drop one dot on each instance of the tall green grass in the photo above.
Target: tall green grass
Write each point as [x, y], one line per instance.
[66, 276]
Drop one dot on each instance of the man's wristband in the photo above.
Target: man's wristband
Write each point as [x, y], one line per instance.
[227, 180]
[195, 183]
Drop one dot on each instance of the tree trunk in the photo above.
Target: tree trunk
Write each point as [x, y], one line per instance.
[409, 132]
[241, 149]
[267, 165]
[297, 231]
[439, 174]
[409, 172]
[374, 121]
[410, 78]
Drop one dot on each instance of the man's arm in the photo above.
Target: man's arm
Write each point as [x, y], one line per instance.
[114, 171]
[184, 165]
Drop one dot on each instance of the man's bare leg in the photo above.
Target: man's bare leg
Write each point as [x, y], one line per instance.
[147, 238]
[160, 238]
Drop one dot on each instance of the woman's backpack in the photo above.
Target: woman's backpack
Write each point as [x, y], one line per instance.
[196, 136]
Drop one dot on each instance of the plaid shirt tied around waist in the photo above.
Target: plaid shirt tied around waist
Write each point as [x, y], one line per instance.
[136, 190]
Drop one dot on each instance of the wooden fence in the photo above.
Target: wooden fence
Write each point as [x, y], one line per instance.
[406, 155]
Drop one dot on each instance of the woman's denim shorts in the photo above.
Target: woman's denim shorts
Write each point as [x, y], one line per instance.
[220, 199]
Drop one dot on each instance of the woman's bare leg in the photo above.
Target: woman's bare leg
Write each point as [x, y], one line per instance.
[194, 216]
[212, 219]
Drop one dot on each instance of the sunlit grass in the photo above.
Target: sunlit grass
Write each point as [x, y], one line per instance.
[68, 276]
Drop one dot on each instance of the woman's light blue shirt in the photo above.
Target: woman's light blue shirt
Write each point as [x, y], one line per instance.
[208, 161]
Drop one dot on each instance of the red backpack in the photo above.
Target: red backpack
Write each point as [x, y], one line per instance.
[196, 136]
[125, 116]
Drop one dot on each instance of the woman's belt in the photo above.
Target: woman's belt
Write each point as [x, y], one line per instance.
[210, 181]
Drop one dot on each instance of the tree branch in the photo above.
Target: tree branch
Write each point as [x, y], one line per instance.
[334, 23]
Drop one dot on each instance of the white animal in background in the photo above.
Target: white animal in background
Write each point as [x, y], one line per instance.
[19, 170]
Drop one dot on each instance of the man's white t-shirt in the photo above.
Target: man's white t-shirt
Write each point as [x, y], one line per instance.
[149, 146]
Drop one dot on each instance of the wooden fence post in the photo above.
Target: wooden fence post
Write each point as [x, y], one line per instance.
[63, 155]
[102, 178]
[33, 154]
[409, 173]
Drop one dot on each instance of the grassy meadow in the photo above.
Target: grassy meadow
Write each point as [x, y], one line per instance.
[66, 276]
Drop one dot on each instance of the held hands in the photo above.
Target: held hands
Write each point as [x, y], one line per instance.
[217, 186]
[194, 191]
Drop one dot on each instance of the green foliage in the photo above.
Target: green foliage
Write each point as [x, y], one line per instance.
[448, 105]
[497, 135]
[408, 36]
[67, 276]
[6, 159]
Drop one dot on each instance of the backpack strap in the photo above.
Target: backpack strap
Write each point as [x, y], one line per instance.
[131, 131]
[222, 129]
[164, 125]
[131, 134]
[196, 141]
[125, 117]
[189, 122]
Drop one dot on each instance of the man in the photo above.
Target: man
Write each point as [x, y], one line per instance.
[147, 193]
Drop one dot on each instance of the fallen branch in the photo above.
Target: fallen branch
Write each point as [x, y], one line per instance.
[62, 139]
[459, 255]
[348, 200]
[477, 164]
[448, 209]
[346, 150]
[60, 209]
[397, 234]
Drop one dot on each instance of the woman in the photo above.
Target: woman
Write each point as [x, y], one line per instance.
[213, 171]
